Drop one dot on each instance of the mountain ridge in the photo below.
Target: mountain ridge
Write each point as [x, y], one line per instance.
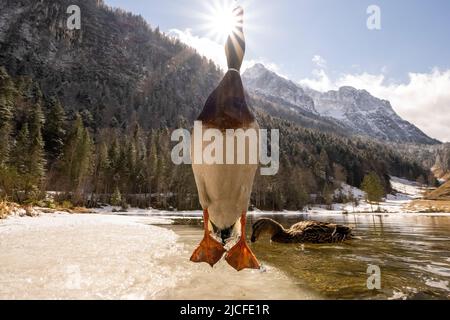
[356, 110]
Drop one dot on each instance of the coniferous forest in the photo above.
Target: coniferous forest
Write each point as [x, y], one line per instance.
[45, 148]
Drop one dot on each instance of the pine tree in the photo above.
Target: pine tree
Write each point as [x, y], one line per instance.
[76, 159]
[36, 152]
[116, 198]
[373, 188]
[101, 169]
[328, 194]
[20, 157]
[7, 91]
[21, 162]
[322, 168]
[141, 159]
[5, 131]
[54, 131]
[84, 157]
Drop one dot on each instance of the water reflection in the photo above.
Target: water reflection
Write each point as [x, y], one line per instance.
[412, 252]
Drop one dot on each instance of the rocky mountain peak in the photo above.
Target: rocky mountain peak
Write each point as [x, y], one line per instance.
[355, 109]
[258, 79]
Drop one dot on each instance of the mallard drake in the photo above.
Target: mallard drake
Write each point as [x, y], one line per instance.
[303, 232]
[224, 189]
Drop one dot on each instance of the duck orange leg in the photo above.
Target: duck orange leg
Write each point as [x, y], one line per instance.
[209, 250]
[240, 257]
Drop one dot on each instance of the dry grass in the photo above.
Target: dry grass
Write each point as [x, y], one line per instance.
[74, 210]
[430, 206]
[442, 193]
[4, 210]
[7, 208]
[81, 210]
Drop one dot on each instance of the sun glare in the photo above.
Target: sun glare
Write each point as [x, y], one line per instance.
[225, 23]
[221, 20]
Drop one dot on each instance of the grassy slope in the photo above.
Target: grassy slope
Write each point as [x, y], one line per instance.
[442, 193]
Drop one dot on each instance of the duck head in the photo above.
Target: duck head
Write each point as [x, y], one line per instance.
[266, 227]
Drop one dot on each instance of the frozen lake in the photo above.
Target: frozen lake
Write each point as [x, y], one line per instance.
[113, 257]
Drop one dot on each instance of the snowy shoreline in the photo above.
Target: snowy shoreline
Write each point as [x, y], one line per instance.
[406, 193]
[139, 254]
[143, 254]
[314, 211]
[100, 256]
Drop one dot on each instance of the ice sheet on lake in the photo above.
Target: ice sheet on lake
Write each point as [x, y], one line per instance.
[115, 257]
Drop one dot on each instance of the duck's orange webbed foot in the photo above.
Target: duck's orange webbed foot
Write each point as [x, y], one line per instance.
[209, 250]
[240, 257]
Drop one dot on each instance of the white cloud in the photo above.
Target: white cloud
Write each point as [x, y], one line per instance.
[424, 99]
[269, 65]
[320, 81]
[216, 52]
[361, 81]
[319, 62]
[204, 46]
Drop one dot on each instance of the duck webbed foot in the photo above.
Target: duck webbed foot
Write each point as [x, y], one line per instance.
[240, 257]
[209, 250]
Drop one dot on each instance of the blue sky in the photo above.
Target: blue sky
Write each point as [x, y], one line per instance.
[415, 34]
[287, 34]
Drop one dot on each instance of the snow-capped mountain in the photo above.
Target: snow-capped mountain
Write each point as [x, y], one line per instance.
[357, 110]
[266, 83]
[367, 115]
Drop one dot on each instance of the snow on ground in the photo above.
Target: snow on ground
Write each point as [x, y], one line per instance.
[100, 256]
[405, 191]
[408, 189]
[150, 213]
[346, 190]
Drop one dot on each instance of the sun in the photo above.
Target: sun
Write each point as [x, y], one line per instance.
[224, 23]
[221, 21]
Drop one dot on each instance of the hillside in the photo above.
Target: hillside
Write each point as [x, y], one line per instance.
[114, 68]
[442, 165]
[442, 193]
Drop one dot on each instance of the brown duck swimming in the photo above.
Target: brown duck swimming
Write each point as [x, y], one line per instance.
[302, 232]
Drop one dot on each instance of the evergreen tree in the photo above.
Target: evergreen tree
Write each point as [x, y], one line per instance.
[21, 162]
[328, 195]
[76, 159]
[85, 156]
[54, 131]
[116, 198]
[373, 188]
[36, 152]
[7, 91]
[21, 149]
[100, 176]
